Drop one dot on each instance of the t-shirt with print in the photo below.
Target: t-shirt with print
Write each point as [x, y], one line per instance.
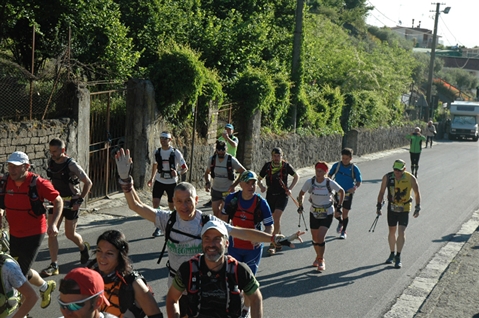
[229, 148]
[320, 196]
[220, 181]
[165, 157]
[187, 246]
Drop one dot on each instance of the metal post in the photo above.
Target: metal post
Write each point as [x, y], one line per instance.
[431, 65]
[195, 115]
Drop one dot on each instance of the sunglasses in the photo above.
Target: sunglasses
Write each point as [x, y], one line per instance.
[220, 149]
[77, 305]
[397, 170]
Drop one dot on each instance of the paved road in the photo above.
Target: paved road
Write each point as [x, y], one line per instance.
[356, 283]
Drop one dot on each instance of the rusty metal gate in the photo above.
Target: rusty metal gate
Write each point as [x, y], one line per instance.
[107, 135]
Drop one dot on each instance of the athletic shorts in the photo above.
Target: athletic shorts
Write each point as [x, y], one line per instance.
[277, 201]
[67, 213]
[347, 202]
[218, 195]
[395, 218]
[252, 258]
[160, 188]
[25, 250]
[315, 223]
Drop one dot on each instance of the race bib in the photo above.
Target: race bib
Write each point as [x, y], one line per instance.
[319, 210]
[320, 215]
[166, 175]
[397, 208]
[225, 194]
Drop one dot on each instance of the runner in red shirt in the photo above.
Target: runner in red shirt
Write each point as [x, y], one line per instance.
[27, 223]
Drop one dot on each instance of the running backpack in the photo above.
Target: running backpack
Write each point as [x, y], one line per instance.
[171, 159]
[233, 206]
[229, 166]
[234, 303]
[337, 170]
[8, 302]
[169, 228]
[36, 204]
[63, 173]
[328, 186]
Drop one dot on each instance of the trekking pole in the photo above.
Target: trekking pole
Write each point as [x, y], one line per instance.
[289, 192]
[373, 226]
[299, 219]
[304, 221]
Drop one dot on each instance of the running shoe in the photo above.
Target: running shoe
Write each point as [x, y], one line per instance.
[51, 270]
[316, 262]
[279, 247]
[339, 228]
[245, 313]
[322, 265]
[343, 235]
[157, 233]
[390, 259]
[272, 249]
[85, 254]
[47, 294]
[397, 262]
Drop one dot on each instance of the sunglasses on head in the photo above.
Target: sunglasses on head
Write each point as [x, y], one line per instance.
[76, 305]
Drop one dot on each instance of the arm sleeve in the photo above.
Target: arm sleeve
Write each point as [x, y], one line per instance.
[178, 281]
[333, 168]
[290, 170]
[246, 280]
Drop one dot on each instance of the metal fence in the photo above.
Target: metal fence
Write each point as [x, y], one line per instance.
[24, 96]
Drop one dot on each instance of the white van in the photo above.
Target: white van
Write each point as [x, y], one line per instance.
[464, 120]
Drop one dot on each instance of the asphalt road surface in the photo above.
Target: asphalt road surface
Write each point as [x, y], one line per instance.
[356, 282]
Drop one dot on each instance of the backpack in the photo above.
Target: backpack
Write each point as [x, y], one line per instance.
[8, 302]
[62, 174]
[337, 170]
[169, 227]
[233, 206]
[171, 159]
[282, 171]
[193, 287]
[328, 186]
[35, 203]
[229, 166]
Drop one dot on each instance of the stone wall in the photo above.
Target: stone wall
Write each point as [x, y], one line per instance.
[32, 137]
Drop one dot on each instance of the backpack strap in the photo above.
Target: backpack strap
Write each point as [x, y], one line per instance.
[169, 226]
[229, 167]
[212, 166]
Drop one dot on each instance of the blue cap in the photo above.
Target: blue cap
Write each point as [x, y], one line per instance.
[229, 126]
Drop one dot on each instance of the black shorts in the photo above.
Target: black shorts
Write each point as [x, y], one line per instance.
[277, 201]
[347, 202]
[67, 213]
[218, 195]
[160, 188]
[395, 218]
[315, 223]
[25, 250]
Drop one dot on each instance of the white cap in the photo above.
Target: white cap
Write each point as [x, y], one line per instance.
[165, 134]
[18, 158]
[216, 225]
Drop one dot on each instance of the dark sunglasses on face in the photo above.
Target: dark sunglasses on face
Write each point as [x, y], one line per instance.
[220, 149]
[76, 305]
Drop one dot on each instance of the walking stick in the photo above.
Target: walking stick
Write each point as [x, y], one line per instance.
[373, 226]
[295, 202]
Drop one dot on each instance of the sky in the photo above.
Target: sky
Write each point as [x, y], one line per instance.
[459, 26]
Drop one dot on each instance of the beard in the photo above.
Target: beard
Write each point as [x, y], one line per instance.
[221, 155]
[214, 257]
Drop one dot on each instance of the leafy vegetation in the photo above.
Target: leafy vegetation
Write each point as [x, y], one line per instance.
[198, 52]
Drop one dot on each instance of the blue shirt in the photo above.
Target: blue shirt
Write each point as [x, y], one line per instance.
[344, 177]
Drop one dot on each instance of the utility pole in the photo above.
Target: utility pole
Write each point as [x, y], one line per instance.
[295, 68]
[431, 63]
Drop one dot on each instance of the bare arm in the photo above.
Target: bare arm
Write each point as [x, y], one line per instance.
[256, 301]
[135, 204]
[381, 191]
[153, 173]
[207, 180]
[294, 182]
[30, 298]
[417, 193]
[172, 302]
[57, 212]
[144, 298]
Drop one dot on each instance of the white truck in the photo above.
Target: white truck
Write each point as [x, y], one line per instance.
[464, 120]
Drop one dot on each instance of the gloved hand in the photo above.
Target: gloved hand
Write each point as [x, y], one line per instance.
[123, 163]
[416, 210]
[338, 209]
[286, 241]
[378, 208]
[300, 209]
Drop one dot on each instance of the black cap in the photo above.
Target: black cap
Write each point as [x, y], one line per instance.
[277, 150]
